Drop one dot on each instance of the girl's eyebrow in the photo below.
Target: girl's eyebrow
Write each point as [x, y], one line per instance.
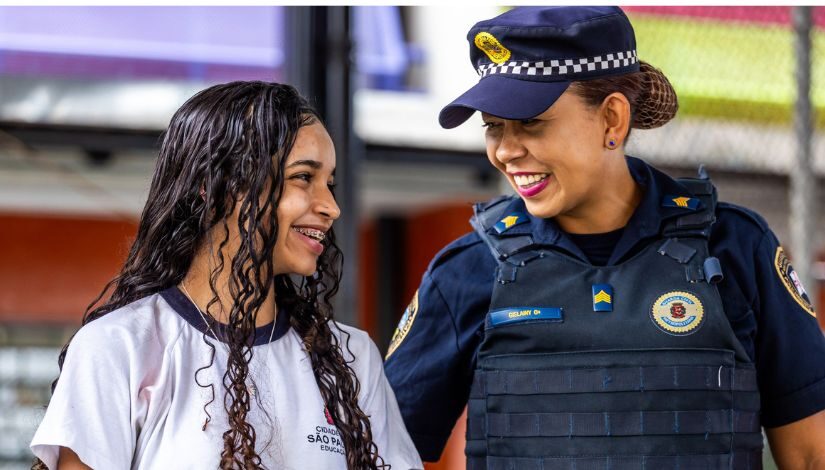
[314, 164]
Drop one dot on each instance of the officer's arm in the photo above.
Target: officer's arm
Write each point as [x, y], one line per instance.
[429, 363]
[799, 444]
[790, 360]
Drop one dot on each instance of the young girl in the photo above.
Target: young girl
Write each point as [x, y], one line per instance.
[216, 346]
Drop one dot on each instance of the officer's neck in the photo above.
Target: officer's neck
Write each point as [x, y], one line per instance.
[608, 208]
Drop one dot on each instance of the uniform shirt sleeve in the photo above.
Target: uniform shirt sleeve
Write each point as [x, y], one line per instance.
[388, 430]
[91, 408]
[790, 347]
[430, 366]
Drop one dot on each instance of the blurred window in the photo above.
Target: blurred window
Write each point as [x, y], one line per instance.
[384, 56]
[128, 66]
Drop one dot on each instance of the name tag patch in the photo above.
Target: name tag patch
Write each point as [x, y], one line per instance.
[506, 316]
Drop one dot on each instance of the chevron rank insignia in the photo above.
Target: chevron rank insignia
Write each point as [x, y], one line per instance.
[510, 221]
[602, 298]
[684, 202]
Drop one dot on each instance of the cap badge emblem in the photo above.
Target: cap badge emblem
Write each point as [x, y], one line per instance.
[490, 46]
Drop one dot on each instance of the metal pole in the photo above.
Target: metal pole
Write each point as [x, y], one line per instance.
[319, 67]
[802, 195]
[350, 151]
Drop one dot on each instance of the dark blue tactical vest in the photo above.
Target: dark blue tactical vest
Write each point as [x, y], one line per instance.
[629, 366]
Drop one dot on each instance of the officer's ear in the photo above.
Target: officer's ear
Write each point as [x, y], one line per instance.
[615, 113]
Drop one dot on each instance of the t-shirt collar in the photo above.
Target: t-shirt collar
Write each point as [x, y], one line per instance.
[187, 310]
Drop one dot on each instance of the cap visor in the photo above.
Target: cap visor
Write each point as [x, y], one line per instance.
[504, 97]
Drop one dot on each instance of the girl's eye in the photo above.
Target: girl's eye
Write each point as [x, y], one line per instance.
[302, 176]
[527, 122]
[489, 125]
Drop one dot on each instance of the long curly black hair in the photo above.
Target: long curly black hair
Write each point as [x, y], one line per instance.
[225, 149]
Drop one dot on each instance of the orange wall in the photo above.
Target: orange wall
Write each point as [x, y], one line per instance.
[51, 267]
[427, 233]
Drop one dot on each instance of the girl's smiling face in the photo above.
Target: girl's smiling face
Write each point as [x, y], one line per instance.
[307, 206]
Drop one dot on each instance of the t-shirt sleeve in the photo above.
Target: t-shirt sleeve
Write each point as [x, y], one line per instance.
[90, 410]
[790, 347]
[388, 430]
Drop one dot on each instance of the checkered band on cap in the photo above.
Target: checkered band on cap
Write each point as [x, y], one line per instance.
[561, 67]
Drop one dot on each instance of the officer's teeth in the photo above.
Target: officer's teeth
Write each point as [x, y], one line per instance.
[523, 180]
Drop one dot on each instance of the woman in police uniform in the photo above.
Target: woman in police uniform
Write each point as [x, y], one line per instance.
[610, 316]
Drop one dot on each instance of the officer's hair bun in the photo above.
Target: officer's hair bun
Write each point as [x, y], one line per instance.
[652, 99]
[657, 103]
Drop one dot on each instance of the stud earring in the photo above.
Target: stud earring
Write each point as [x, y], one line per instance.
[611, 144]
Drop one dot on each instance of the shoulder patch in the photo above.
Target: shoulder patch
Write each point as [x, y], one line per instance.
[404, 325]
[685, 202]
[791, 281]
[509, 221]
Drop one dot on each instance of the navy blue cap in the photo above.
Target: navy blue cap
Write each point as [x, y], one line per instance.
[528, 56]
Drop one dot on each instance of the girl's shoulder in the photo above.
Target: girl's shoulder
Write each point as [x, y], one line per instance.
[144, 327]
[355, 343]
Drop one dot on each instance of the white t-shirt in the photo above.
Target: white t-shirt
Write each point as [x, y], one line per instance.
[128, 397]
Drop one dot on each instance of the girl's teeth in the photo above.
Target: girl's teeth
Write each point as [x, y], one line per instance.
[311, 233]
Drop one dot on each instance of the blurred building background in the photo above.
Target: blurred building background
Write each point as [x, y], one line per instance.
[86, 91]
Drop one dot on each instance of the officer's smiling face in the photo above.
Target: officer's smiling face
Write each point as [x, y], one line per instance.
[557, 161]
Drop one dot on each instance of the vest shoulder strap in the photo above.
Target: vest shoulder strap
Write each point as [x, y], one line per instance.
[512, 248]
[696, 223]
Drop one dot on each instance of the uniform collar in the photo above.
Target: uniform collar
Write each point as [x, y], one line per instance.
[646, 221]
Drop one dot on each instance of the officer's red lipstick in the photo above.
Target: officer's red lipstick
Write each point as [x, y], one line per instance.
[533, 190]
[532, 187]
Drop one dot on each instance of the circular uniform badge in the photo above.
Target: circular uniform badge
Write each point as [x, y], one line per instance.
[678, 313]
[404, 325]
[490, 46]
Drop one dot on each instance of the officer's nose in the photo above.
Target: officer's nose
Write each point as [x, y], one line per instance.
[509, 146]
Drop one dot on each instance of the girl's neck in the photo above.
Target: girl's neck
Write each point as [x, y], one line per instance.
[196, 283]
